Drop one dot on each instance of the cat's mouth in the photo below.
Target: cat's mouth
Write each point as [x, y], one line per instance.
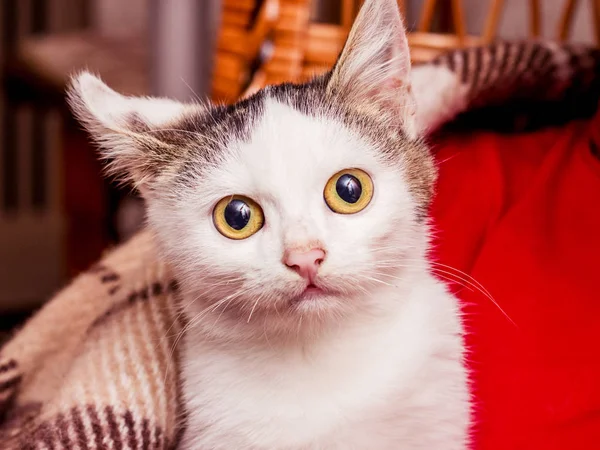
[313, 289]
[310, 292]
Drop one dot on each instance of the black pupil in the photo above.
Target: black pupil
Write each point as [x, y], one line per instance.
[237, 214]
[348, 188]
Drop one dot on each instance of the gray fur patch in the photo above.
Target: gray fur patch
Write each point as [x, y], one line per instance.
[203, 137]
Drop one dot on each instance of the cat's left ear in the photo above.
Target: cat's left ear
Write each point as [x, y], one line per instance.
[127, 129]
[373, 69]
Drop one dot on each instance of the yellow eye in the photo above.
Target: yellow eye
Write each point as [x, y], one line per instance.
[238, 217]
[348, 191]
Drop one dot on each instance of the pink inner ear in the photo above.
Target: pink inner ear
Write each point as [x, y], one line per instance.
[393, 84]
[376, 58]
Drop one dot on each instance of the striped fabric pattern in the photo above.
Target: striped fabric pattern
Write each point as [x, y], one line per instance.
[97, 367]
[110, 380]
[518, 85]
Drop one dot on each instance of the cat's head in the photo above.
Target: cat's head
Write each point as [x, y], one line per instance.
[303, 201]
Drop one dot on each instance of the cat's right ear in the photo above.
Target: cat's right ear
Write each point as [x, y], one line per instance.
[127, 129]
[373, 70]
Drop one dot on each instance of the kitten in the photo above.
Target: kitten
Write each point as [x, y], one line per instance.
[295, 221]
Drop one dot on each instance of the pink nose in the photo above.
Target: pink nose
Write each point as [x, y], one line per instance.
[305, 263]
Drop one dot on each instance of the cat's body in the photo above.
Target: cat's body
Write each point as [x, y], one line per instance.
[387, 370]
[388, 383]
[295, 222]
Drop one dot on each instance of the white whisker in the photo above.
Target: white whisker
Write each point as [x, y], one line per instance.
[252, 311]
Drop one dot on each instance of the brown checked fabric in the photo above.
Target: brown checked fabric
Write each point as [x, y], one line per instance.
[97, 367]
[522, 85]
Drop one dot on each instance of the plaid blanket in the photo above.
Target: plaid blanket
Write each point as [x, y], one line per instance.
[97, 366]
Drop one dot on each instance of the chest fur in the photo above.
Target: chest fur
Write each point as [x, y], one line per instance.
[356, 393]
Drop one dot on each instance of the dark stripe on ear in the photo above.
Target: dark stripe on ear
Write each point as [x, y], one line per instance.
[136, 124]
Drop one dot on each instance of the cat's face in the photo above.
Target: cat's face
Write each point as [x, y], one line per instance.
[302, 201]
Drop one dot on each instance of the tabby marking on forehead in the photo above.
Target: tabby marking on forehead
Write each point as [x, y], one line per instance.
[203, 136]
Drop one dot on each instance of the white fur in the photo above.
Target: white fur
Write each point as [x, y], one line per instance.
[384, 372]
[377, 363]
[390, 383]
[107, 116]
[439, 94]
[106, 107]
[375, 62]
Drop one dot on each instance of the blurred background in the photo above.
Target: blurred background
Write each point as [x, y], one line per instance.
[57, 213]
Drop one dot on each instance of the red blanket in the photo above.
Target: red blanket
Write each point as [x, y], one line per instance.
[519, 213]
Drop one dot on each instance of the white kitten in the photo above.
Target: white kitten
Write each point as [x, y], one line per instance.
[295, 221]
